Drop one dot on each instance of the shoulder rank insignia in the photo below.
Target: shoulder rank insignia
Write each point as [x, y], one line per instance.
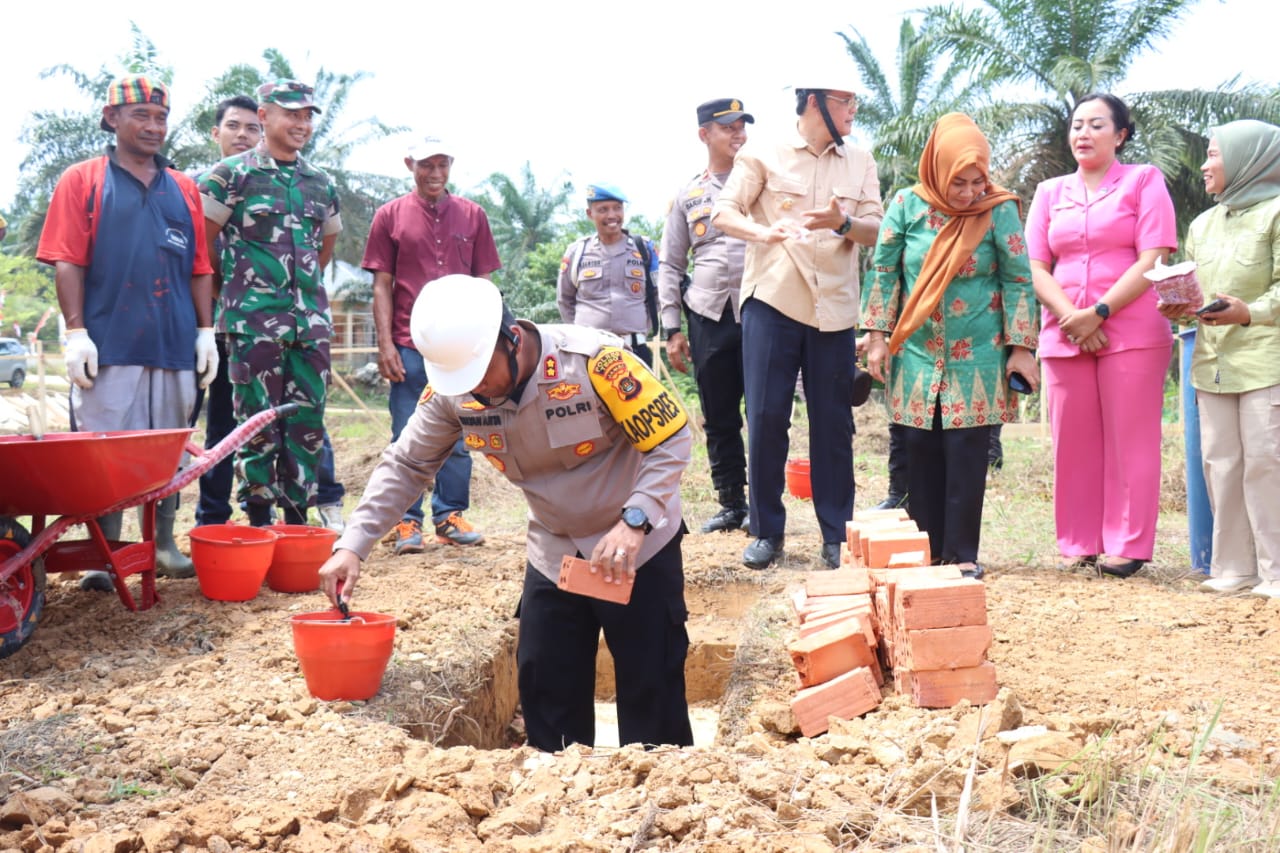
[550, 368]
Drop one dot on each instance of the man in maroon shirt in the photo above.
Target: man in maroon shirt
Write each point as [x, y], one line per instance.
[414, 239]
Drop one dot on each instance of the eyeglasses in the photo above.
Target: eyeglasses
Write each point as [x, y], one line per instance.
[849, 103]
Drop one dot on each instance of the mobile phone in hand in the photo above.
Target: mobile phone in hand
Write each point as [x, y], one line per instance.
[1214, 307]
[1019, 383]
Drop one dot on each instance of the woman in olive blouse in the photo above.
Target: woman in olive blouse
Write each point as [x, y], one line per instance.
[951, 290]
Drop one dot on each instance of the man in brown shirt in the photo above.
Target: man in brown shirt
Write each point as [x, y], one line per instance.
[802, 205]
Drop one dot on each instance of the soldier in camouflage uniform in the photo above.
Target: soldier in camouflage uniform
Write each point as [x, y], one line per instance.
[279, 215]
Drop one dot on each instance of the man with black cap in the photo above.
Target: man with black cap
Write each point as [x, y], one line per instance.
[710, 299]
[420, 237]
[606, 278]
[279, 215]
[802, 205]
[126, 237]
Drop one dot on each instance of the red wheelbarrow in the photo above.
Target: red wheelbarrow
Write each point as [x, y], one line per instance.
[79, 476]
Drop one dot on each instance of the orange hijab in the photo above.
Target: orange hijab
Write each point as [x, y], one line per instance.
[955, 144]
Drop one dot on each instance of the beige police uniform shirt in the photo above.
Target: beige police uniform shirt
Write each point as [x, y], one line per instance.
[608, 292]
[717, 257]
[560, 445]
[814, 281]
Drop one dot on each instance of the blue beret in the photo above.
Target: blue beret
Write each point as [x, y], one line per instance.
[604, 192]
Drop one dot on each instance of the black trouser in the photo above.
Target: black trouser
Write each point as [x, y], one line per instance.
[947, 479]
[220, 420]
[897, 460]
[556, 658]
[716, 347]
[775, 349]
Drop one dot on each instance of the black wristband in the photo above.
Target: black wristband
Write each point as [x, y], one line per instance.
[667, 333]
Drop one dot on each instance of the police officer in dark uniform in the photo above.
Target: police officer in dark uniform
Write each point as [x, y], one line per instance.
[710, 299]
[598, 447]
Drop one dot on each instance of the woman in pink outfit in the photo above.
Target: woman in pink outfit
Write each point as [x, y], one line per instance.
[1104, 346]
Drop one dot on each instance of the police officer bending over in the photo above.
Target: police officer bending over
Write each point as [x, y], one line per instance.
[598, 446]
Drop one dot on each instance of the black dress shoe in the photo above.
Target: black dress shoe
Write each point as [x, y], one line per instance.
[861, 387]
[761, 553]
[728, 518]
[892, 502]
[976, 572]
[1127, 569]
[831, 554]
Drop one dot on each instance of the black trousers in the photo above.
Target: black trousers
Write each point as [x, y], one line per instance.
[775, 349]
[898, 456]
[947, 478]
[556, 658]
[716, 347]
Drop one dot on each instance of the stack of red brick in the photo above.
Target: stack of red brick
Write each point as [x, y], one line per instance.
[888, 611]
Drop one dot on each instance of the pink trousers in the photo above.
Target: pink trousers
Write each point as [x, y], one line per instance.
[1104, 412]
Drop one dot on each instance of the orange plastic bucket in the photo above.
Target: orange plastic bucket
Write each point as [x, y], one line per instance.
[343, 659]
[798, 478]
[231, 559]
[299, 554]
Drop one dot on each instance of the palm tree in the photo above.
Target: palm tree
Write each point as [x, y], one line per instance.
[900, 118]
[1061, 51]
[522, 217]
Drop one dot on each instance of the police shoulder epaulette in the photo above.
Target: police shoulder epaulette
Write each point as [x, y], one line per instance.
[648, 413]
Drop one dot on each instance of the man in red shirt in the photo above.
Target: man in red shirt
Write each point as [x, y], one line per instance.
[419, 237]
[125, 235]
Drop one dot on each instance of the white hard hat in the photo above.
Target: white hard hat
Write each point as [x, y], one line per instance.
[454, 324]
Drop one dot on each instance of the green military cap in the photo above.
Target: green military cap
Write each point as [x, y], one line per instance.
[289, 94]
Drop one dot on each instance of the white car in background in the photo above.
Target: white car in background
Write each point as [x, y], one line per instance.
[13, 362]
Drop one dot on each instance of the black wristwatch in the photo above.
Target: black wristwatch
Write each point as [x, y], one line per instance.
[845, 228]
[667, 333]
[634, 517]
[1102, 309]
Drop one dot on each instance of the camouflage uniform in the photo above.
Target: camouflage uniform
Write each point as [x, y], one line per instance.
[275, 313]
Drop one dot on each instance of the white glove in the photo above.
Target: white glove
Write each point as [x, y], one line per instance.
[81, 357]
[206, 357]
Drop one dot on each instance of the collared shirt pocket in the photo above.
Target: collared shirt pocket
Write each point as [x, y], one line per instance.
[466, 247]
[790, 195]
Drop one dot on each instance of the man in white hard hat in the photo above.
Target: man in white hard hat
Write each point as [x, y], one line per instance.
[800, 304]
[598, 446]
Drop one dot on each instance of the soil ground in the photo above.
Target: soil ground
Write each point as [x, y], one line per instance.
[189, 726]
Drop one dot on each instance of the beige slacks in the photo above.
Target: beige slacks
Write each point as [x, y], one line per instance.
[1240, 445]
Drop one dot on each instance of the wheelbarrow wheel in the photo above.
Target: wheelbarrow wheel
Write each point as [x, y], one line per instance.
[22, 594]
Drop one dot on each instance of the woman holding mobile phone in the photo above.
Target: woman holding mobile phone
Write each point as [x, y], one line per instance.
[950, 289]
[1105, 348]
[1236, 366]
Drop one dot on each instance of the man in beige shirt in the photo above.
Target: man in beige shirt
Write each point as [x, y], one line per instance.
[802, 205]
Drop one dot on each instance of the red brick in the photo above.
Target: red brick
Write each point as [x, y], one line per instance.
[944, 688]
[845, 697]
[897, 513]
[921, 604]
[827, 620]
[943, 648]
[834, 651]
[829, 603]
[576, 576]
[851, 581]
[880, 546]
[908, 560]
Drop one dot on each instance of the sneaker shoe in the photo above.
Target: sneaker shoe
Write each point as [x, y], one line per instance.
[1229, 584]
[1270, 589]
[408, 538]
[331, 517]
[455, 530]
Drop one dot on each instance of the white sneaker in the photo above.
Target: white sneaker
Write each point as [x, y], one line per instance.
[331, 517]
[1271, 589]
[1226, 584]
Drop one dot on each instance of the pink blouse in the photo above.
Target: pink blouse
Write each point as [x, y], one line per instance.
[1089, 242]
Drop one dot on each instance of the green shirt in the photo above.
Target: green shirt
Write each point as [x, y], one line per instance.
[1238, 252]
[274, 217]
[957, 358]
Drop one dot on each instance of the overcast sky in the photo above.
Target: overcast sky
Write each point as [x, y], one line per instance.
[596, 91]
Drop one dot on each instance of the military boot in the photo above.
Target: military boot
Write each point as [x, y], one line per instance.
[170, 562]
[101, 581]
[732, 515]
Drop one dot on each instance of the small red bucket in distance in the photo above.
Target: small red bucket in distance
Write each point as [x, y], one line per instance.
[231, 559]
[798, 478]
[300, 552]
[343, 659]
